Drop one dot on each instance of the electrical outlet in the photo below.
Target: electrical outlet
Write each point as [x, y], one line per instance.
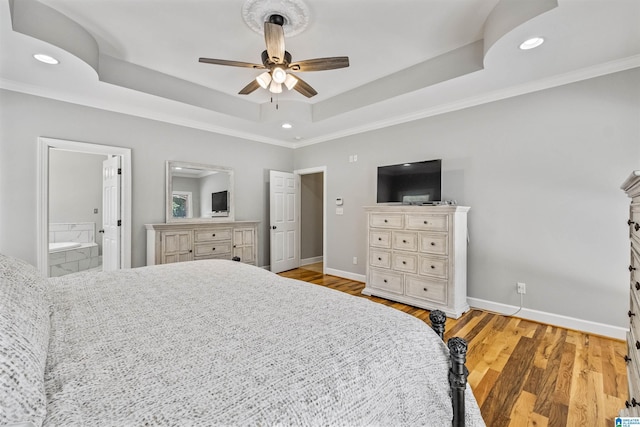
[521, 287]
[355, 259]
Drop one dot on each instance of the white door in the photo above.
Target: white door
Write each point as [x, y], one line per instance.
[283, 194]
[111, 214]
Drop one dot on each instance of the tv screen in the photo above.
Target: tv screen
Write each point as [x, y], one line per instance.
[410, 183]
[219, 201]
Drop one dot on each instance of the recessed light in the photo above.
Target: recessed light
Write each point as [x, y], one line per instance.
[531, 43]
[287, 126]
[46, 59]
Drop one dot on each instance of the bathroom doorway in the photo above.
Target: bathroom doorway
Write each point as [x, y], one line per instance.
[70, 232]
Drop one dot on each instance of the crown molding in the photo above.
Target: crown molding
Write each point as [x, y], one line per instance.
[123, 108]
[523, 89]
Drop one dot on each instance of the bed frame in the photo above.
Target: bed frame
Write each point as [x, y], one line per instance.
[458, 372]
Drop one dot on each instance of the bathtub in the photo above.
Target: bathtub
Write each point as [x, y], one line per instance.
[63, 246]
[72, 257]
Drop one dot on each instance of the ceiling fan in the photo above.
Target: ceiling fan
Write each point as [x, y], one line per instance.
[278, 61]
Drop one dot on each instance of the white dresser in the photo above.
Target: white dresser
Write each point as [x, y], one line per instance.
[417, 255]
[632, 187]
[177, 242]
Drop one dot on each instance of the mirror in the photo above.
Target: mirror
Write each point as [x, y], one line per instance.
[197, 192]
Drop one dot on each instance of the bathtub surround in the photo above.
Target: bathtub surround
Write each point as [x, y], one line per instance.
[73, 259]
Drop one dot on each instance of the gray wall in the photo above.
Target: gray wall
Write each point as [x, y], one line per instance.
[311, 215]
[24, 118]
[75, 188]
[542, 175]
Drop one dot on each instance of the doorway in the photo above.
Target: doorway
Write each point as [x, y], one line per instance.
[50, 153]
[312, 218]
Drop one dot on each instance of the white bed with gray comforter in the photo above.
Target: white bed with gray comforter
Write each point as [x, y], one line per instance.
[212, 343]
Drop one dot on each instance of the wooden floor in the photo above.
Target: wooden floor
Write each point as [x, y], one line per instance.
[525, 373]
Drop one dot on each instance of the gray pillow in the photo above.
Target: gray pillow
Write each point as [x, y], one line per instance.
[24, 339]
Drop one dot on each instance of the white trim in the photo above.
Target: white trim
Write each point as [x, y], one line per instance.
[587, 326]
[44, 144]
[313, 260]
[309, 171]
[545, 83]
[346, 274]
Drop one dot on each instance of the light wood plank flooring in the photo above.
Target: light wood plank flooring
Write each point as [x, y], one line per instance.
[524, 373]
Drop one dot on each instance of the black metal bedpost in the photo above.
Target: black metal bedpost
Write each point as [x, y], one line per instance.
[458, 378]
[438, 319]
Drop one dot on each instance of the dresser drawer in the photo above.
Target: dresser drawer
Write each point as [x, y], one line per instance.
[213, 248]
[378, 258]
[212, 235]
[634, 313]
[431, 243]
[423, 288]
[380, 239]
[436, 267]
[633, 367]
[386, 220]
[404, 241]
[407, 263]
[427, 222]
[386, 281]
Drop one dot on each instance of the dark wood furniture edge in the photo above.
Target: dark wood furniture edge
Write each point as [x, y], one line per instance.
[458, 372]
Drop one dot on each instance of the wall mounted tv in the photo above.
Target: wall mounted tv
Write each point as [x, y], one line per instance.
[220, 201]
[410, 183]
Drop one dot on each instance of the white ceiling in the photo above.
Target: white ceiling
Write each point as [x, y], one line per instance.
[408, 58]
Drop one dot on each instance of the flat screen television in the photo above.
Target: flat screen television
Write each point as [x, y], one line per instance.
[220, 201]
[410, 183]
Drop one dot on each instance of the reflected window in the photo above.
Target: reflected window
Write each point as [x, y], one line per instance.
[182, 204]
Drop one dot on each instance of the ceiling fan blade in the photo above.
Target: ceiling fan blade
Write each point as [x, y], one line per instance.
[253, 85]
[274, 38]
[230, 63]
[304, 88]
[320, 64]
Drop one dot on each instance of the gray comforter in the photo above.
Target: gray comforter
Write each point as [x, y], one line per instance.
[222, 343]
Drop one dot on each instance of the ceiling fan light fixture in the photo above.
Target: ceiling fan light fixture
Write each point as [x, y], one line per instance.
[278, 75]
[275, 87]
[290, 81]
[264, 79]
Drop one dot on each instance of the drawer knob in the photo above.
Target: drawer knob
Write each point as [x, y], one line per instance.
[213, 249]
[630, 313]
[636, 226]
[404, 262]
[379, 238]
[627, 358]
[634, 402]
[433, 243]
[425, 289]
[637, 286]
[627, 404]
[379, 258]
[385, 280]
[638, 345]
[426, 222]
[404, 241]
[190, 250]
[433, 266]
[386, 220]
[213, 235]
[631, 268]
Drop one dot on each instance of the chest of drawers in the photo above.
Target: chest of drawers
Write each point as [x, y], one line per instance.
[632, 187]
[418, 255]
[177, 242]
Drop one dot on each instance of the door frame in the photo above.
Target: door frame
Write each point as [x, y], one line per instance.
[309, 171]
[44, 144]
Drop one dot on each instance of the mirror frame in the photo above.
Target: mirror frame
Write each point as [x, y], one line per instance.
[169, 192]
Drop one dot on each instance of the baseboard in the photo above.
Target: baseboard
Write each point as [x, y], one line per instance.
[346, 275]
[312, 260]
[587, 326]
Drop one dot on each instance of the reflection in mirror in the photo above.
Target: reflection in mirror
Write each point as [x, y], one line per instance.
[197, 192]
